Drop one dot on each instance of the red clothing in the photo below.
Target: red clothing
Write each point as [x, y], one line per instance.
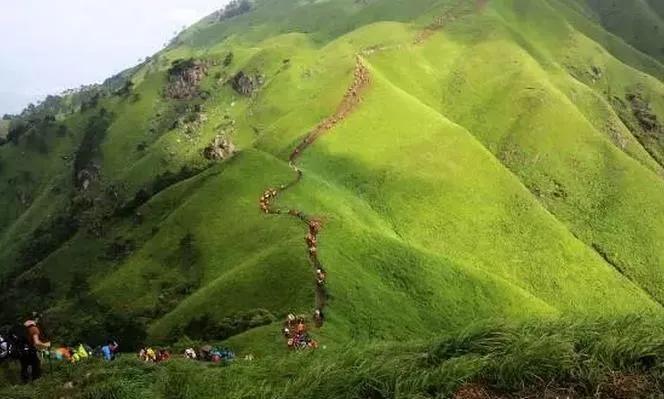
[31, 332]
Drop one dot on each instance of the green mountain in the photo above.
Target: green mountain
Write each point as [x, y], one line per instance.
[468, 160]
[4, 127]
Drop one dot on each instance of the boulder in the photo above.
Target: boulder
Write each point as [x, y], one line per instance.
[246, 84]
[219, 149]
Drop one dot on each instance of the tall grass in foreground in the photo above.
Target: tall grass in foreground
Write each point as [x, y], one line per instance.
[599, 358]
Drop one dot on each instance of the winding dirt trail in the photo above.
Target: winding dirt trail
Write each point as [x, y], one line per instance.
[350, 101]
[460, 10]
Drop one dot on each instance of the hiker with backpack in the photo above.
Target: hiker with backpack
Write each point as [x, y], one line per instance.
[150, 355]
[163, 355]
[320, 277]
[62, 353]
[190, 354]
[80, 353]
[109, 350]
[29, 358]
[318, 317]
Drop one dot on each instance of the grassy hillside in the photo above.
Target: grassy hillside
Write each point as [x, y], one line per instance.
[500, 161]
[641, 24]
[609, 359]
[4, 127]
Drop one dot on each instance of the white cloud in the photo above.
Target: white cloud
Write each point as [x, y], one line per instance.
[67, 43]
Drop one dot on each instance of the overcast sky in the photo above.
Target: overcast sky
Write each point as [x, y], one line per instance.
[47, 46]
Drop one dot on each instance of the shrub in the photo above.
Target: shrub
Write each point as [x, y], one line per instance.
[235, 8]
[93, 135]
[228, 60]
[17, 128]
[126, 89]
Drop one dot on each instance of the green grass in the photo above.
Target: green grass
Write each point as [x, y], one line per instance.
[640, 25]
[4, 127]
[584, 357]
[489, 173]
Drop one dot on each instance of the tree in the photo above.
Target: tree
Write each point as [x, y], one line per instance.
[17, 128]
[235, 8]
[126, 88]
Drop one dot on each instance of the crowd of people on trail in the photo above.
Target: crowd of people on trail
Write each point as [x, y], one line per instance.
[71, 355]
[266, 198]
[205, 353]
[151, 355]
[27, 345]
[296, 334]
[81, 352]
[311, 238]
[212, 354]
[208, 353]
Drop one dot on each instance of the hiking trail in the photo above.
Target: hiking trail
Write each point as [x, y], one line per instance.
[458, 11]
[350, 101]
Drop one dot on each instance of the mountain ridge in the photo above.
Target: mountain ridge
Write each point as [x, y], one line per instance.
[536, 192]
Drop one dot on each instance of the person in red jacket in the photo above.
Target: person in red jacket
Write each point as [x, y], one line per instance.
[30, 363]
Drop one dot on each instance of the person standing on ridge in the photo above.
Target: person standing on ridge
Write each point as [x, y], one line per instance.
[30, 363]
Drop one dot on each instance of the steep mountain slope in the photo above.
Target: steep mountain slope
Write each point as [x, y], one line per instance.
[4, 127]
[502, 160]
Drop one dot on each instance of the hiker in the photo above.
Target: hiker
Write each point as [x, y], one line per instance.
[320, 276]
[62, 353]
[190, 354]
[311, 240]
[205, 352]
[151, 355]
[228, 354]
[302, 341]
[30, 363]
[162, 356]
[318, 317]
[79, 354]
[301, 328]
[314, 226]
[108, 351]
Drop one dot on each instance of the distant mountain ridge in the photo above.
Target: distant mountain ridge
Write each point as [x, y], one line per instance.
[504, 161]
